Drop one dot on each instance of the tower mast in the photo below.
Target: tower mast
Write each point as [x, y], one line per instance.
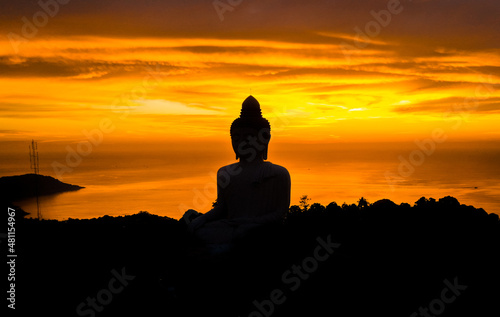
[35, 166]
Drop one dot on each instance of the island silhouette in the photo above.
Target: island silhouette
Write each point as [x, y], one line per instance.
[18, 187]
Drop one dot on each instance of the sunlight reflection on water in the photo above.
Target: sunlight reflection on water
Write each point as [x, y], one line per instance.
[160, 185]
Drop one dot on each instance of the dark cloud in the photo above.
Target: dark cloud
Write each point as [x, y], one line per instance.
[425, 85]
[461, 24]
[10, 66]
[331, 72]
[35, 67]
[455, 105]
[486, 70]
[12, 132]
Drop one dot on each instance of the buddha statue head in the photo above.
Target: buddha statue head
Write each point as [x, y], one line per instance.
[250, 133]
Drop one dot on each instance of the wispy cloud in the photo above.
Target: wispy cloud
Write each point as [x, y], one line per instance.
[288, 54]
[167, 107]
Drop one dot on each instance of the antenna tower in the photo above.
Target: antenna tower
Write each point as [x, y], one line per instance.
[35, 166]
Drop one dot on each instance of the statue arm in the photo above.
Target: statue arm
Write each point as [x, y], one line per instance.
[219, 211]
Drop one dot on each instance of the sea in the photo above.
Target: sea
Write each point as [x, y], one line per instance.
[168, 179]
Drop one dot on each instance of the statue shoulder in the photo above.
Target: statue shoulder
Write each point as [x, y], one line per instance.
[278, 170]
[229, 170]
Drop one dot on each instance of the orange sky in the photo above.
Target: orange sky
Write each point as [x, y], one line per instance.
[172, 71]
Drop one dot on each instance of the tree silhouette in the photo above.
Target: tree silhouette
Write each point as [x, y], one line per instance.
[294, 210]
[317, 208]
[449, 201]
[304, 202]
[362, 203]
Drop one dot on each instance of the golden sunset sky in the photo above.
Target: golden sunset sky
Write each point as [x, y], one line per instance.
[179, 70]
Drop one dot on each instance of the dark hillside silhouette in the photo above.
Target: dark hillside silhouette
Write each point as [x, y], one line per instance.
[392, 259]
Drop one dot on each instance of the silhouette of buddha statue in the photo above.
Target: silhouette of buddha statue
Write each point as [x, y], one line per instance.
[251, 193]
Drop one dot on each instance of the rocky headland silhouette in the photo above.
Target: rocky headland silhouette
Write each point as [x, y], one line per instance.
[14, 188]
[336, 260]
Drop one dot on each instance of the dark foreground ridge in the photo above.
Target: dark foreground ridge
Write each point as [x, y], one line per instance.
[436, 258]
[14, 188]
